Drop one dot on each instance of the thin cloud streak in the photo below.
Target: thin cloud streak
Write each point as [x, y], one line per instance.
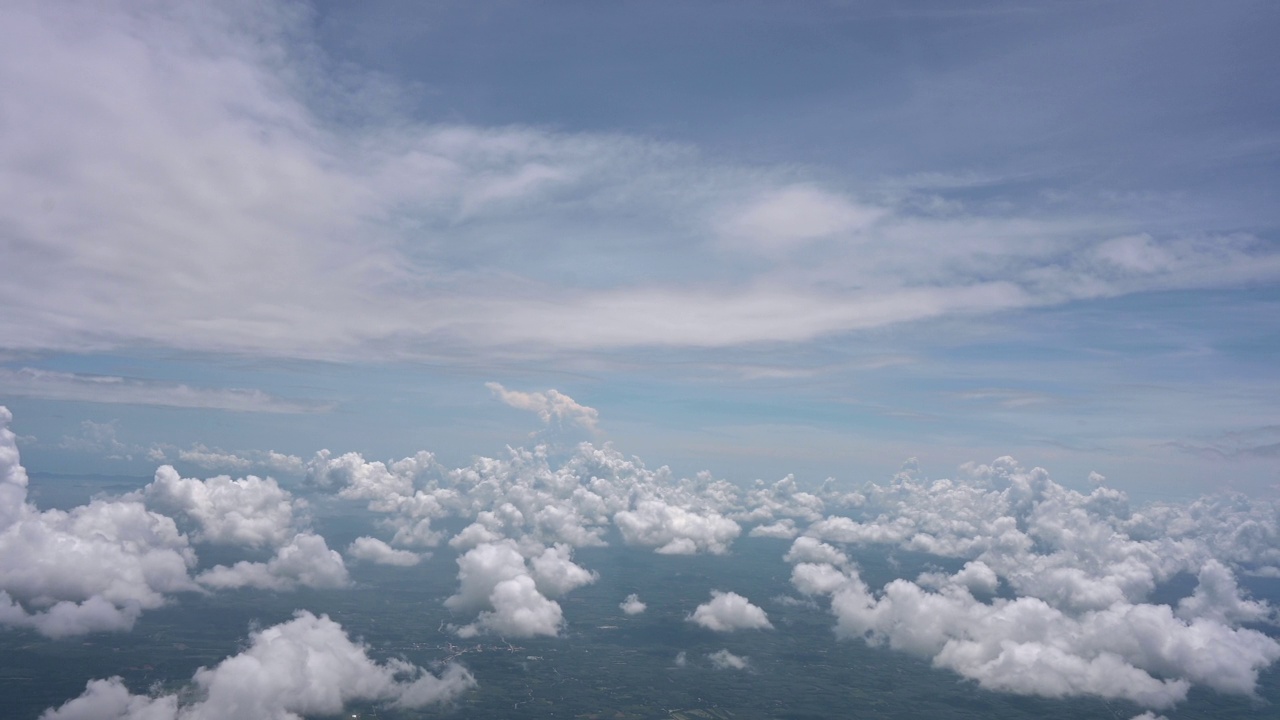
[50, 385]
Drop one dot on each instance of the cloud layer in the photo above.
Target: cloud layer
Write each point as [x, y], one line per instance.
[1052, 596]
[404, 238]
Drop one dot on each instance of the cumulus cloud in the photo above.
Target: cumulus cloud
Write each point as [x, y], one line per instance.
[304, 667]
[249, 511]
[674, 530]
[632, 605]
[784, 529]
[93, 568]
[373, 550]
[725, 660]
[390, 489]
[556, 574]
[1081, 567]
[810, 550]
[512, 598]
[728, 611]
[306, 560]
[519, 610]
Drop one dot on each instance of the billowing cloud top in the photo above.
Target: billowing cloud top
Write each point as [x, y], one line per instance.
[730, 611]
[307, 666]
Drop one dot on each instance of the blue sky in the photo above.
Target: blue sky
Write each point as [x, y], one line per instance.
[756, 238]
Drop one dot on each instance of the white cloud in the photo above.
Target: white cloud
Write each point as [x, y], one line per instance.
[807, 549]
[553, 407]
[784, 529]
[674, 530]
[519, 610]
[221, 171]
[632, 605]
[557, 574]
[247, 511]
[512, 599]
[306, 666]
[1081, 566]
[93, 568]
[725, 660]
[51, 385]
[728, 611]
[306, 560]
[373, 550]
[788, 217]
[216, 459]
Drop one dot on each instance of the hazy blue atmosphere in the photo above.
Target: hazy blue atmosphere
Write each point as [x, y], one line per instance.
[864, 356]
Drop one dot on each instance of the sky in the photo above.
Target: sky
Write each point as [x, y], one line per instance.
[993, 284]
[751, 238]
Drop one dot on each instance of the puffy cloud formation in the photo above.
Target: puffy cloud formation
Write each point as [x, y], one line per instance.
[676, 531]
[810, 550]
[553, 407]
[557, 574]
[725, 660]
[729, 611]
[94, 568]
[389, 489]
[373, 550]
[1052, 594]
[525, 497]
[632, 605]
[248, 511]
[1081, 567]
[304, 667]
[13, 477]
[306, 560]
[494, 576]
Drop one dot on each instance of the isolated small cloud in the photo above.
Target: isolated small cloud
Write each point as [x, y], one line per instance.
[306, 666]
[728, 611]
[725, 660]
[371, 549]
[632, 605]
[553, 407]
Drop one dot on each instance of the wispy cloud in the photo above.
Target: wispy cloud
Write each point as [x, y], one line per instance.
[50, 385]
[228, 215]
